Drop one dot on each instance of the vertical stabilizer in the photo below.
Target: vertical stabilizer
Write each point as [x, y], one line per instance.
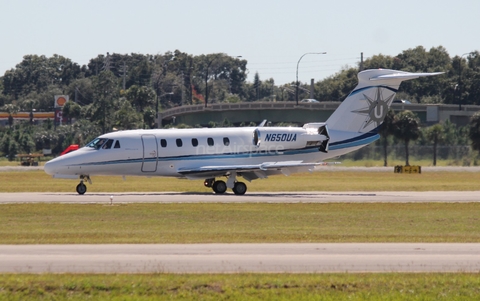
[367, 105]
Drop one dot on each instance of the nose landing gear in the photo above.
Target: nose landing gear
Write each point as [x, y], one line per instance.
[81, 187]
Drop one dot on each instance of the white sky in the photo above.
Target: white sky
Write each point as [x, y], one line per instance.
[270, 35]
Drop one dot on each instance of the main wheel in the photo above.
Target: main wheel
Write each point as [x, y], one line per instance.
[240, 188]
[219, 187]
[81, 188]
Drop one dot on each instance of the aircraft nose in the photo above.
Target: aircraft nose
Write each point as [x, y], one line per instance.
[50, 167]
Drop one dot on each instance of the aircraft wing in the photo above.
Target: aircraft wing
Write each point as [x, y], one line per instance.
[249, 172]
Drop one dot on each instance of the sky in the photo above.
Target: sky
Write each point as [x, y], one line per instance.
[271, 35]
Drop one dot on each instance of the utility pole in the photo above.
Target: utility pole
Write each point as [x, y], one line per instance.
[312, 81]
[124, 70]
[206, 79]
[183, 88]
[361, 61]
[460, 81]
[106, 62]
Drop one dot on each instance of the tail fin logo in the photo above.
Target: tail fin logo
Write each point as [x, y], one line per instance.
[377, 108]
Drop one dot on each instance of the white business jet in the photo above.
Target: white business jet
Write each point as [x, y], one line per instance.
[230, 153]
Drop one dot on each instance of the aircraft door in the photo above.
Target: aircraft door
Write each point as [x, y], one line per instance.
[150, 153]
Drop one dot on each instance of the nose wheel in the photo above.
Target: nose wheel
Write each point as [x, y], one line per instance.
[81, 188]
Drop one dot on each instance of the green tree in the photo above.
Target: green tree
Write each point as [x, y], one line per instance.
[81, 91]
[379, 61]
[338, 86]
[386, 130]
[35, 73]
[407, 129]
[140, 97]
[103, 108]
[11, 109]
[474, 131]
[72, 110]
[126, 118]
[9, 145]
[149, 118]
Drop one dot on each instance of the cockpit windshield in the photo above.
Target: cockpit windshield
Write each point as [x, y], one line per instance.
[97, 143]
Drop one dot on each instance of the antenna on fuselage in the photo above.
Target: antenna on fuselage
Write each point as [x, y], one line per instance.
[261, 125]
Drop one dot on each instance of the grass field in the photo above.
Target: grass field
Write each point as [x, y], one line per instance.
[241, 287]
[344, 180]
[238, 223]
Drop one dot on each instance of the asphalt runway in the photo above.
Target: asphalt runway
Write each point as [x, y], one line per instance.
[263, 197]
[240, 258]
[235, 258]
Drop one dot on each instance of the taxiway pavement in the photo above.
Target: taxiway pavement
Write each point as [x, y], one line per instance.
[240, 258]
[261, 197]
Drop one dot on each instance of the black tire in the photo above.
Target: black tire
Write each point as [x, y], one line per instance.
[240, 188]
[219, 187]
[81, 188]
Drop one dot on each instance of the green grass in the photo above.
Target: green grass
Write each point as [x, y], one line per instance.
[38, 181]
[393, 162]
[241, 287]
[238, 223]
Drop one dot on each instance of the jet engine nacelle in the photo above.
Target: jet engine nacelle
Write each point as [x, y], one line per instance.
[279, 138]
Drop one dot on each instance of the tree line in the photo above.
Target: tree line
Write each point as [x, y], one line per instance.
[178, 78]
[125, 91]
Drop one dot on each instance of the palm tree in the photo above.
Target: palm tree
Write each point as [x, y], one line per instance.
[435, 135]
[385, 130]
[406, 128]
[474, 131]
[11, 109]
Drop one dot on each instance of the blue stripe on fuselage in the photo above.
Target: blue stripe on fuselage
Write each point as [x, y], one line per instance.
[364, 139]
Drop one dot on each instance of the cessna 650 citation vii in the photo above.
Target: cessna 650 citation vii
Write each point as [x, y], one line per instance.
[249, 152]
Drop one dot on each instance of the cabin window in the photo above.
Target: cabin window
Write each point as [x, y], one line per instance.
[163, 143]
[108, 145]
[194, 142]
[226, 141]
[210, 141]
[117, 144]
[179, 142]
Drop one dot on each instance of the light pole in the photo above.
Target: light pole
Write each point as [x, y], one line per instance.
[297, 83]
[460, 81]
[156, 107]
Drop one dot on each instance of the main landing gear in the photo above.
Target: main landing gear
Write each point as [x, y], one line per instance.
[219, 186]
[81, 187]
